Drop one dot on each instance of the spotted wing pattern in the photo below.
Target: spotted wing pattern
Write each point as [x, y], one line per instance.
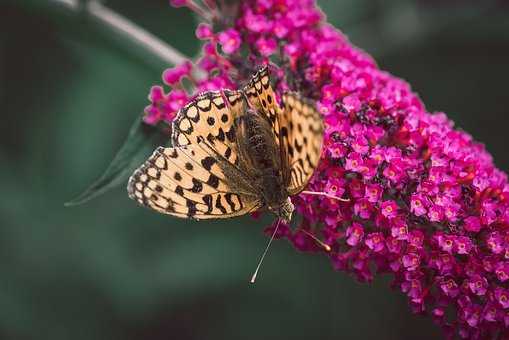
[210, 115]
[204, 175]
[261, 97]
[191, 182]
[301, 140]
[199, 177]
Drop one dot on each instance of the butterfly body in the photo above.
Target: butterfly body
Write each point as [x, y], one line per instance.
[260, 153]
[233, 152]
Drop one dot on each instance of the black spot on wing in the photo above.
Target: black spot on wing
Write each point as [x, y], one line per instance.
[197, 186]
[232, 205]
[221, 136]
[191, 208]
[207, 199]
[171, 206]
[284, 132]
[230, 135]
[208, 162]
[213, 181]
[177, 176]
[219, 205]
[308, 160]
[290, 151]
[174, 153]
[298, 147]
[228, 152]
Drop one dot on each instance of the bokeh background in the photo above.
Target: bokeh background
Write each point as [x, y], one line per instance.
[69, 91]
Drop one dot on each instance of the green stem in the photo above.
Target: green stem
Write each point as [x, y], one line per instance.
[126, 28]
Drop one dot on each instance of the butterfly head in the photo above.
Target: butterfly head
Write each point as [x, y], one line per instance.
[285, 210]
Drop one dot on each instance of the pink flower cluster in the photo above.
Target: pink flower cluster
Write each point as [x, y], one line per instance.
[426, 202]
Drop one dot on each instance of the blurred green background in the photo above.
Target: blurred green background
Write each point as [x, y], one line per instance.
[69, 90]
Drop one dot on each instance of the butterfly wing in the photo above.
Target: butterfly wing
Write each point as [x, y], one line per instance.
[301, 140]
[204, 175]
[261, 97]
[192, 181]
[210, 115]
[199, 177]
[297, 128]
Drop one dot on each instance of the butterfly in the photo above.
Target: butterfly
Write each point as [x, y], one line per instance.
[233, 153]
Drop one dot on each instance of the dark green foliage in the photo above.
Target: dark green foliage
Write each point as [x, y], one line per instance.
[141, 141]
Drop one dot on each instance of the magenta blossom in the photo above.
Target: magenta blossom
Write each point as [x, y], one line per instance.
[164, 106]
[173, 76]
[426, 204]
[230, 40]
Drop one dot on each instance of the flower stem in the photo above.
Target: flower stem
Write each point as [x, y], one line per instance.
[128, 29]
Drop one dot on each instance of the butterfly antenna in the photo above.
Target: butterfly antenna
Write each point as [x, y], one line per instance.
[317, 240]
[316, 193]
[253, 278]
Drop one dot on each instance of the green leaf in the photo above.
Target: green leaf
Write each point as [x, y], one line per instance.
[140, 143]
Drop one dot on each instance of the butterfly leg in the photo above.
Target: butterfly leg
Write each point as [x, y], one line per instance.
[317, 193]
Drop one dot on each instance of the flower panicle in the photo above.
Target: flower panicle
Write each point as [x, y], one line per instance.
[426, 203]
